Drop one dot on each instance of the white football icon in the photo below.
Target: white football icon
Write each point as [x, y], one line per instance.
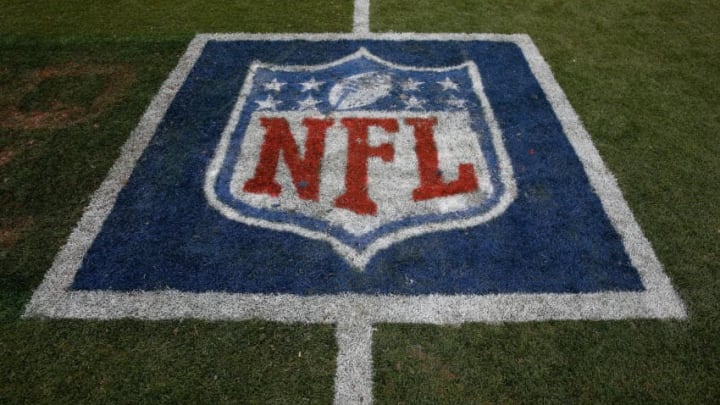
[359, 90]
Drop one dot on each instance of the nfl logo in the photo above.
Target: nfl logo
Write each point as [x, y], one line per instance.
[361, 153]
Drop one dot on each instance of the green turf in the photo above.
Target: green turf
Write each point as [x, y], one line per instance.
[166, 362]
[170, 18]
[643, 75]
[46, 177]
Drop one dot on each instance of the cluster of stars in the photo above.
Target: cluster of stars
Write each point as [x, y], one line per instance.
[412, 102]
[308, 102]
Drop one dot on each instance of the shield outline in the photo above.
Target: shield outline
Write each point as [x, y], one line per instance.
[360, 258]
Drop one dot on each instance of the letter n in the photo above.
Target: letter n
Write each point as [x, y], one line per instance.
[305, 170]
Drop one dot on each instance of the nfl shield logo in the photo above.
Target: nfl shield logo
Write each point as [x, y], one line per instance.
[361, 152]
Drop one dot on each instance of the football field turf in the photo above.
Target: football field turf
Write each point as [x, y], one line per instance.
[75, 79]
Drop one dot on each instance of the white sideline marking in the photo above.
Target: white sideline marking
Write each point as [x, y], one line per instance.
[361, 17]
[354, 370]
[354, 314]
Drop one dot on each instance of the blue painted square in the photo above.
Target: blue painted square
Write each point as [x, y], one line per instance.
[163, 234]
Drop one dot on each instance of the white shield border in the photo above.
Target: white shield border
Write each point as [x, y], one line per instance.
[360, 258]
[55, 299]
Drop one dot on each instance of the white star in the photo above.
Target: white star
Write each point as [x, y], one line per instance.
[456, 102]
[268, 104]
[308, 104]
[413, 102]
[311, 84]
[448, 84]
[410, 85]
[274, 85]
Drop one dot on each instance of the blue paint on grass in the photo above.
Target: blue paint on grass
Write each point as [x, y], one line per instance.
[162, 234]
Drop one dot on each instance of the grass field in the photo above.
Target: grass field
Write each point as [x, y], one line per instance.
[643, 75]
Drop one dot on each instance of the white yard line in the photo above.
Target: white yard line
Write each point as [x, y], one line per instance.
[354, 369]
[361, 17]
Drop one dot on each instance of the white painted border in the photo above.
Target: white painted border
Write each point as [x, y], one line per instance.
[355, 314]
[360, 258]
[659, 300]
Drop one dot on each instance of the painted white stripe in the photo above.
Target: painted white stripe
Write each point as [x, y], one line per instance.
[57, 302]
[361, 17]
[354, 370]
